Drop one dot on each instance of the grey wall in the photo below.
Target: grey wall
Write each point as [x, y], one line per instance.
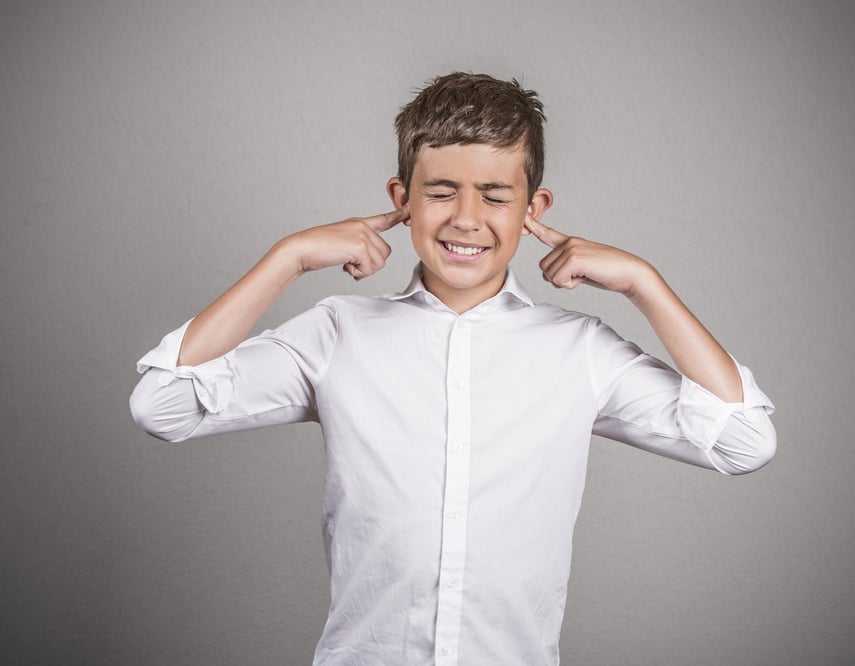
[150, 152]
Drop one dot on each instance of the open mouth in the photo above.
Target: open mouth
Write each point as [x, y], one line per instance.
[466, 251]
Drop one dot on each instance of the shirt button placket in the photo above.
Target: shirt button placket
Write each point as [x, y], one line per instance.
[455, 501]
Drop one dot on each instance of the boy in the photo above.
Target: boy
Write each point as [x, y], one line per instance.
[456, 414]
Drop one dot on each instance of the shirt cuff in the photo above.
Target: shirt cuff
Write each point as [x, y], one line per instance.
[702, 416]
[213, 381]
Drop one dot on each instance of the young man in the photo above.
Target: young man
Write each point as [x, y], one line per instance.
[456, 414]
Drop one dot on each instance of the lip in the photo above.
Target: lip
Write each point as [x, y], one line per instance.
[459, 243]
[461, 258]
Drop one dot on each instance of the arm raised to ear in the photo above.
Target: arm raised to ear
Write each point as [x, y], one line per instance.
[355, 244]
[696, 353]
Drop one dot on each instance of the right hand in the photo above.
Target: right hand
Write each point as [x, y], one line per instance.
[354, 244]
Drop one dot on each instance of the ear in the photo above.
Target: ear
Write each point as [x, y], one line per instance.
[398, 194]
[540, 202]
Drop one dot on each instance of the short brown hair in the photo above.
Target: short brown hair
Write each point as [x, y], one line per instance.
[472, 108]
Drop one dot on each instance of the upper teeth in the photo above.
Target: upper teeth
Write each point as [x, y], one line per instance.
[462, 250]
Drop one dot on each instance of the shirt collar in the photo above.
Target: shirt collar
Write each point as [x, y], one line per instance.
[511, 289]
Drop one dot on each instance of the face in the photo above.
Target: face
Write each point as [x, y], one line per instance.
[467, 207]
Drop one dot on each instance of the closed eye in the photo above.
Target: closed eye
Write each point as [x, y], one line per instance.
[493, 200]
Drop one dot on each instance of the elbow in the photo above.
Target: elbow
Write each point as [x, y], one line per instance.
[762, 456]
[770, 446]
[150, 416]
[146, 418]
[765, 444]
[141, 412]
[759, 445]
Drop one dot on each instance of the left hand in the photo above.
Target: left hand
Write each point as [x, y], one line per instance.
[573, 261]
[694, 351]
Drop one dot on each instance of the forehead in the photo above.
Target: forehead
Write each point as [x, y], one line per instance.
[471, 162]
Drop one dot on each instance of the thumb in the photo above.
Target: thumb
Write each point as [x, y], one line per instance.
[546, 235]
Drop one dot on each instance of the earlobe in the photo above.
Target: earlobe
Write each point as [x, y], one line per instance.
[525, 230]
[398, 194]
[541, 200]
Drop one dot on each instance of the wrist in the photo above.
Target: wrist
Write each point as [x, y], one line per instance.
[289, 255]
[648, 286]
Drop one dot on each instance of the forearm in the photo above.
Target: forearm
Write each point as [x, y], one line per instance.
[227, 321]
[695, 352]
[354, 243]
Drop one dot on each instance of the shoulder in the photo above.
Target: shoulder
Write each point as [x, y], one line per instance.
[356, 305]
[548, 313]
[552, 320]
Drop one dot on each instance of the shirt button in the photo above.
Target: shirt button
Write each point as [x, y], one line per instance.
[457, 447]
[451, 583]
[456, 514]
[445, 652]
[460, 383]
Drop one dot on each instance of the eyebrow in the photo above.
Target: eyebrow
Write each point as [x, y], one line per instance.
[443, 182]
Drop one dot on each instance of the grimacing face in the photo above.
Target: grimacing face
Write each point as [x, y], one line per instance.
[468, 204]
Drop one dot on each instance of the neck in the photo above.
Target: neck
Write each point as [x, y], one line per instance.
[463, 299]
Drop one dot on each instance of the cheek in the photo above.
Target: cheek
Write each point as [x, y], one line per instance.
[512, 229]
[423, 221]
[420, 234]
[511, 243]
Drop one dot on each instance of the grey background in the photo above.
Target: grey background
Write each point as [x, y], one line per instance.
[150, 152]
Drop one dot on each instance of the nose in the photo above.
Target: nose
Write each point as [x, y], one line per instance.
[465, 216]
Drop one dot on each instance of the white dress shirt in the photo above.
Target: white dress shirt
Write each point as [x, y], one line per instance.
[456, 450]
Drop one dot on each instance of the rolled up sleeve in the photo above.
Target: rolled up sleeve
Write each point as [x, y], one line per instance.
[737, 437]
[267, 380]
[645, 403]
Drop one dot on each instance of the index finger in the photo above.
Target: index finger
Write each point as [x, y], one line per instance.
[546, 235]
[387, 220]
